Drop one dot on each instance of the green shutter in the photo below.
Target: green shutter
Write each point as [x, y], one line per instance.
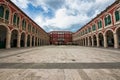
[7, 14]
[14, 19]
[105, 21]
[1, 11]
[18, 21]
[100, 24]
[117, 16]
[109, 19]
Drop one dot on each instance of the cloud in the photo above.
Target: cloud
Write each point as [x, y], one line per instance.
[63, 14]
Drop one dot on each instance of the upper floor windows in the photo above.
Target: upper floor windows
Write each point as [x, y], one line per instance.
[94, 27]
[117, 15]
[4, 12]
[89, 29]
[107, 20]
[99, 24]
[23, 24]
[29, 28]
[33, 29]
[16, 19]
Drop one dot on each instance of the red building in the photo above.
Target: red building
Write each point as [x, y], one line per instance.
[60, 37]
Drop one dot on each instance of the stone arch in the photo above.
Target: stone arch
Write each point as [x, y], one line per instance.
[28, 40]
[32, 40]
[90, 40]
[14, 38]
[22, 41]
[3, 35]
[101, 39]
[110, 38]
[94, 40]
[118, 35]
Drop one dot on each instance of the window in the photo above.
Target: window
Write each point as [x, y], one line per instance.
[29, 28]
[117, 16]
[33, 29]
[93, 27]
[23, 24]
[7, 14]
[89, 29]
[1, 11]
[107, 20]
[16, 19]
[99, 24]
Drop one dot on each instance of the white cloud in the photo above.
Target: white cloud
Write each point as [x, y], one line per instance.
[66, 12]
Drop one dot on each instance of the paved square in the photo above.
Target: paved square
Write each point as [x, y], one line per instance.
[60, 63]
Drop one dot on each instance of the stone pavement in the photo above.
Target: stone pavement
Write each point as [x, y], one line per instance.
[60, 63]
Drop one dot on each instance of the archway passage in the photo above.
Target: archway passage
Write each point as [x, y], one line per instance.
[101, 39]
[14, 36]
[33, 41]
[90, 39]
[3, 32]
[118, 34]
[86, 41]
[28, 40]
[36, 41]
[22, 41]
[110, 38]
[95, 40]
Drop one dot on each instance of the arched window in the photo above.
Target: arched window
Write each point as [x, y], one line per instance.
[99, 24]
[16, 20]
[23, 24]
[29, 28]
[7, 14]
[117, 15]
[107, 20]
[1, 11]
[93, 27]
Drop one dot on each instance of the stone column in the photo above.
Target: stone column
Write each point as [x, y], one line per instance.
[25, 40]
[8, 39]
[18, 39]
[105, 41]
[92, 42]
[98, 44]
[116, 43]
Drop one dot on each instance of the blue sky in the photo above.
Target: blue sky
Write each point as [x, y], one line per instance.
[62, 14]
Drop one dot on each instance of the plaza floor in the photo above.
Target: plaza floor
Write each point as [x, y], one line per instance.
[60, 63]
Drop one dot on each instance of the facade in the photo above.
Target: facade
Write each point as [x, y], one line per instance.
[103, 30]
[60, 37]
[17, 29]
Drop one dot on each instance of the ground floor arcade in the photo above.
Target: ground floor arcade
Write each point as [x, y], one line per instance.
[15, 38]
[109, 38]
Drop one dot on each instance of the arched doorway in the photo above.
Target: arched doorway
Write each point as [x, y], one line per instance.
[94, 40]
[33, 41]
[36, 41]
[90, 39]
[86, 41]
[110, 38]
[14, 36]
[101, 39]
[28, 40]
[3, 32]
[118, 34]
[22, 41]
[83, 42]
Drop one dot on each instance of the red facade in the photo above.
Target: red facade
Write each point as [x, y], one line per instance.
[60, 37]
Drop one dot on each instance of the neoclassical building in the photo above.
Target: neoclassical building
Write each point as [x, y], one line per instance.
[17, 29]
[103, 30]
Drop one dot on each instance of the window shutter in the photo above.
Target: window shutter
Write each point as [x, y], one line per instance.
[117, 16]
